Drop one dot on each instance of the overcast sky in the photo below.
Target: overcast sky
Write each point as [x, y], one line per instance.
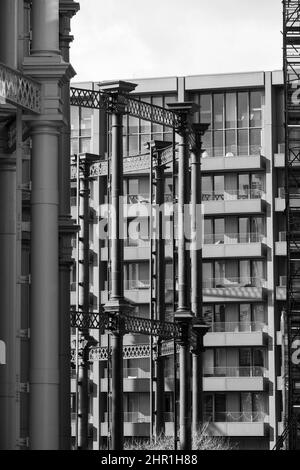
[140, 38]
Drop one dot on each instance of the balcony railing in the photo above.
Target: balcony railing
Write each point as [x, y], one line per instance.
[140, 284]
[234, 282]
[282, 281]
[236, 327]
[282, 236]
[235, 417]
[144, 198]
[136, 284]
[233, 238]
[254, 371]
[132, 417]
[232, 195]
[136, 373]
[233, 151]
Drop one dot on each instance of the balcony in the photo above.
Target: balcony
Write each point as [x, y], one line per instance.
[138, 291]
[279, 160]
[248, 201]
[135, 380]
[281, 245]
[232, 163]
[280, 200]
[138, 205]
[234, 379]
[281, 289]
[234, 245]
[235, 424]
[136, 424]
[236, 334]
[138, 250]
[234, 289]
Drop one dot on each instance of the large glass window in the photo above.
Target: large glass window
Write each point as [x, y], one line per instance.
[218, 111]
[205, 109]
[243, 110]
[231, 147]
[230, 110]
[255, 109]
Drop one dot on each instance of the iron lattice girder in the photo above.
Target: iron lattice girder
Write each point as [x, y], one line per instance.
[134, 325]
[130, 164]
[18, 90]
[148, 112]
[134, 351]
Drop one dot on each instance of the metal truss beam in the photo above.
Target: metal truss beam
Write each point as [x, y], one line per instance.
[18, 90]
[134, 351]
[146, 111]
[133, 325]
[131, 164]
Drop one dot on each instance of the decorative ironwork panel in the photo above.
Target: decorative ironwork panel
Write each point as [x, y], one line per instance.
[166, 156]
[145, 326]
[19, 90]
[136, 163]
[150, 112]
[99, 169]
[88, 98]
[89, 321]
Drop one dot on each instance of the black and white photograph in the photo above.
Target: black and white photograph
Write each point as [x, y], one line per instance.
[149, 228]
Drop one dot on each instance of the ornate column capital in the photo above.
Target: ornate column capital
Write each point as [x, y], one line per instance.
[117, 91]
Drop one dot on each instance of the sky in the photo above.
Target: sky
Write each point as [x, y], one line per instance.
[127, 39]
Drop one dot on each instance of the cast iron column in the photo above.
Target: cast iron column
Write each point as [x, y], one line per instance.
[183, 313]
[117, 306]
[160, 288]
[46, 65]
[67, 9]
[8, 372]
[196, 278]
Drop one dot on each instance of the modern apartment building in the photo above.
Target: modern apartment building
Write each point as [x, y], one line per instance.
[244, 255]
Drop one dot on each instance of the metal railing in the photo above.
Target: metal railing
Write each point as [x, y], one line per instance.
[282, 281]
[232, 195]
[254, 371]
[234, 282]
[282, 237]
[233, 152]
[236, 327]
[233, 238]
[144, 198]
[135, 373]
[236, 417]
[132, 417]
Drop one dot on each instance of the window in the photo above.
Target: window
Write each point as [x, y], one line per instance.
[231, 146]
[255, 109]
[230, 110]
[219, 230]
[205, 109]
[243, 110]
[218, 111]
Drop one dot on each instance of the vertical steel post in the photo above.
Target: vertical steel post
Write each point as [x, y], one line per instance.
[183, 313]
[117, 305]
[196, 276]
[160, 291]
[151, 290]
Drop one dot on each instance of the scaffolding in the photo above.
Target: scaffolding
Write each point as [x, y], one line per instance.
[291, 68]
